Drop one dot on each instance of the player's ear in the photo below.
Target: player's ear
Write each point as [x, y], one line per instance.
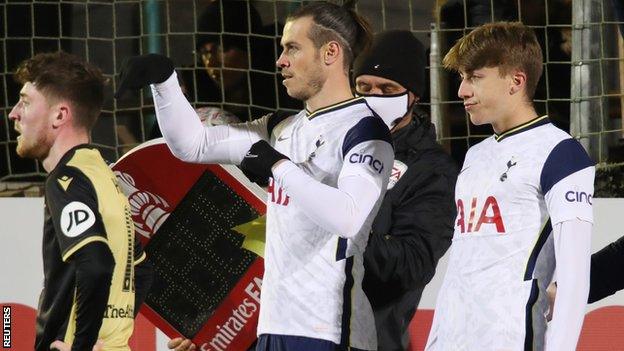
[61, 114]
[331, 52]
[518, 82]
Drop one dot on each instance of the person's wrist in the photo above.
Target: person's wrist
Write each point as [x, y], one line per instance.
[277, 164]
[171, 81]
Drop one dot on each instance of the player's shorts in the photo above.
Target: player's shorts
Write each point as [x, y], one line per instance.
[273, 342]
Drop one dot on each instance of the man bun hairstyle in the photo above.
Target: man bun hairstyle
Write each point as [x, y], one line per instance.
[337, 23]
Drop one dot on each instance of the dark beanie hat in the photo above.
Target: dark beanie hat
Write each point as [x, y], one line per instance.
[396, 55]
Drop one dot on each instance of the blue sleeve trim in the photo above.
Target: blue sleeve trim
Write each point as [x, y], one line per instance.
[566, 158]
[368, 128]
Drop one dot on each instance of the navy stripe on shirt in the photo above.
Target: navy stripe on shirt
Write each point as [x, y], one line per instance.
[528, 319]
[368, 128]
[341, 249]
[541, 240]
[345, 333]
[566, 158]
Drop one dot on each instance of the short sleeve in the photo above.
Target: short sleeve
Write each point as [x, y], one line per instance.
[367, 150]
[567, 182]
[73, 207]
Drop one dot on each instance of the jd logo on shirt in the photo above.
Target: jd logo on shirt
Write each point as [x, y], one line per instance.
[76, 217]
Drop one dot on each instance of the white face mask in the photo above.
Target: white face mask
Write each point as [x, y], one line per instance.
[391, 108]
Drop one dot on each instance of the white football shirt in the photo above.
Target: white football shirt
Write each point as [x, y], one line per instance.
[512, 190]
[320, 207]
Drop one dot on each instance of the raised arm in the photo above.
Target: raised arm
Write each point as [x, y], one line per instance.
[190, 140]
[182, 129]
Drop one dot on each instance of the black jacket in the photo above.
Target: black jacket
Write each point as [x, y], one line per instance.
[412, 230]
[606, 276]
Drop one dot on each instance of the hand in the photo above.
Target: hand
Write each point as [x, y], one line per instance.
[180, 344]
[551, 291]
[259, 160]
[139, 71]
[61, 346]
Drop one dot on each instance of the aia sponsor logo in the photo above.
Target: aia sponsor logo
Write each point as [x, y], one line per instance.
[489, 214]
[277, 196]
[578, 196]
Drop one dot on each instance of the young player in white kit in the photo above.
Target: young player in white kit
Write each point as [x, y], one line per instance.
[524, 208]
[328, 167]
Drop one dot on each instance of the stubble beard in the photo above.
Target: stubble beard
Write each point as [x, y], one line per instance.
[37, 150]
[314, 83]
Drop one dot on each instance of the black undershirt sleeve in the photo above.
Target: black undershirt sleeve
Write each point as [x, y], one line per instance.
[606, 276]
[144, 277]
[94, 265]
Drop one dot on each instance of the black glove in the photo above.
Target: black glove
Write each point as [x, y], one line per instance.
[258, 162]
[139, 71]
